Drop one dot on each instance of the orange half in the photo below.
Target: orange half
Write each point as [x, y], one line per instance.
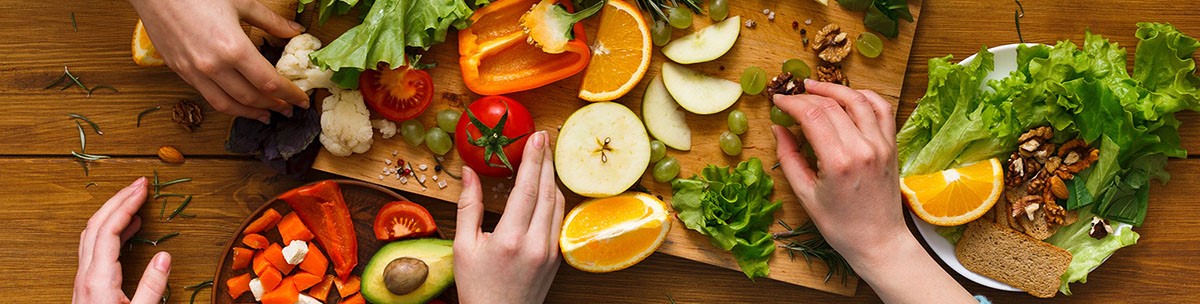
[144, 53]
[955, 196]
[620, 54]
[614, 233]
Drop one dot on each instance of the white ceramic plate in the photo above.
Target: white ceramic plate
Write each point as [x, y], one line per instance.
[1005, 57]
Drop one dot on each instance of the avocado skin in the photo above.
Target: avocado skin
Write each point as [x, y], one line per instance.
[438, 254]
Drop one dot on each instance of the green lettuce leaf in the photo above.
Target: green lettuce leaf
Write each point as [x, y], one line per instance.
[1087, 253]
[389, 27]
[733, 208]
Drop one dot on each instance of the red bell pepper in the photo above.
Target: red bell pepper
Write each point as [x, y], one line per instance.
[496, 57]
[321, 207]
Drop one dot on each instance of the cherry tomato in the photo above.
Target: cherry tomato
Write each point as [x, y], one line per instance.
[398, 95]
[401, 219]
[482, 146]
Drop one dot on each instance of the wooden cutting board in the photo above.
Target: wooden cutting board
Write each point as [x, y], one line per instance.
[766, 45]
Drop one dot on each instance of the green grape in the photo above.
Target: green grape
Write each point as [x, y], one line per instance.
[413, 132]
[754, 80]
[438, 141]
[780, 118]
[660, 33]
[737, 122]
[448, 120]
[657, 150]
[679, 16]
[731, 144]
[666, 169]
[718, 10]
[869, 45]
[797, 67]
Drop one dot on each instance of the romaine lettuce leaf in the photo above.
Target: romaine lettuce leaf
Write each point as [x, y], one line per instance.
[389, 27]
[1087, 253]
[733, 208]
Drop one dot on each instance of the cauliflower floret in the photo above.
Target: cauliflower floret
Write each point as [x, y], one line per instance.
[386, 127]
[345, 123]
[295, 65]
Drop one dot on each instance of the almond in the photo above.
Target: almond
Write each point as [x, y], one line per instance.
[169, 154]
[1059, 188]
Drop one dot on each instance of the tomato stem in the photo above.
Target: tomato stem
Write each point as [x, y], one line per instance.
[492, 139]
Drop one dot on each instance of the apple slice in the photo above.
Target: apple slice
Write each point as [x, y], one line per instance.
[602, 150]
[706, 44]
[699, 93]
[663, 118]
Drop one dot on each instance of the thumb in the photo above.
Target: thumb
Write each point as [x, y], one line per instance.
[154, 281]
[259, 15]
[470, 209]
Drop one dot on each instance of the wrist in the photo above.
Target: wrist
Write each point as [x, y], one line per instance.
[883, 255]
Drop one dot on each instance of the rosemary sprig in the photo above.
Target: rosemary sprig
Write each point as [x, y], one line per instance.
[162, 212]
[144, 112]
[1017, 15]
[155, 241]
[62, 80]
[176, 181]
[161, 195]
[814, 247]
[672, 299]
[179, 210]
[89, 185]
[89, 157]
[73, 24]
[95, 126]
[196, 289]
[82, 138]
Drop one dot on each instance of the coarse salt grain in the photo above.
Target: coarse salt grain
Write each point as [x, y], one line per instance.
[435, 177]
[808, 21]
[422, 179]
[380, 177]
[387, 162]
[423, 167]
[404, 180]
[766, 11]
[442, 184]
[771, 16]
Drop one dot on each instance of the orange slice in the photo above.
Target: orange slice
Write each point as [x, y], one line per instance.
[955, 196]
[614, 233]
[620, 54]
[144, 53]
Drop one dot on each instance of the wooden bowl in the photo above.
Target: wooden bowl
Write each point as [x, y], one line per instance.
[364, 201]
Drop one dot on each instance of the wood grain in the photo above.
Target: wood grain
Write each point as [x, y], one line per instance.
[767, 45]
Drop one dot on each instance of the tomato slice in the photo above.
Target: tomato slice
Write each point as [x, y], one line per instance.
[401, 219]
[396, 94]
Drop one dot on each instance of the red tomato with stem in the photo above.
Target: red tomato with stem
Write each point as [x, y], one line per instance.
[401, 220]
[396, 94]
[491, 135]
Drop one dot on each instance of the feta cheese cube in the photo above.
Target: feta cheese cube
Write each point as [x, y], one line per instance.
[256, 288]
[295, 251]
[306, 299]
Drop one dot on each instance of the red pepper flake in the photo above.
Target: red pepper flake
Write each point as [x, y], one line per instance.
[795, 25]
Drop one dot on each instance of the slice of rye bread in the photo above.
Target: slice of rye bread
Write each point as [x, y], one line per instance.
[1013, 258]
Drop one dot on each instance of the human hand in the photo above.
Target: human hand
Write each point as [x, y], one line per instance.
[98, 279]
[853, 194]
[516, 263]
[203, 41]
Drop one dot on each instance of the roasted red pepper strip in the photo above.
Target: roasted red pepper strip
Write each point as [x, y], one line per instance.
[321, 207]
[496, 58]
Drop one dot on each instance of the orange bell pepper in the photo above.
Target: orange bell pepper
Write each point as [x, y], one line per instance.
[496, 58]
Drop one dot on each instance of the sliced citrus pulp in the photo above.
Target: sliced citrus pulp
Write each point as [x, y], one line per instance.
[955, 196]
[620, 54]
[144, 53]
[614, 233]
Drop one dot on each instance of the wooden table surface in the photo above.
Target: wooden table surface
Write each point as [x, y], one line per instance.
[46, 199]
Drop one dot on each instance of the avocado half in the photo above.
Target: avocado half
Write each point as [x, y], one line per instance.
[438, 254]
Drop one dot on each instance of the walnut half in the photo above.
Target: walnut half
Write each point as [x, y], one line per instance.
[832, 44]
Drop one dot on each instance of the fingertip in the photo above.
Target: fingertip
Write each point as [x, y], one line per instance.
[162, 262]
